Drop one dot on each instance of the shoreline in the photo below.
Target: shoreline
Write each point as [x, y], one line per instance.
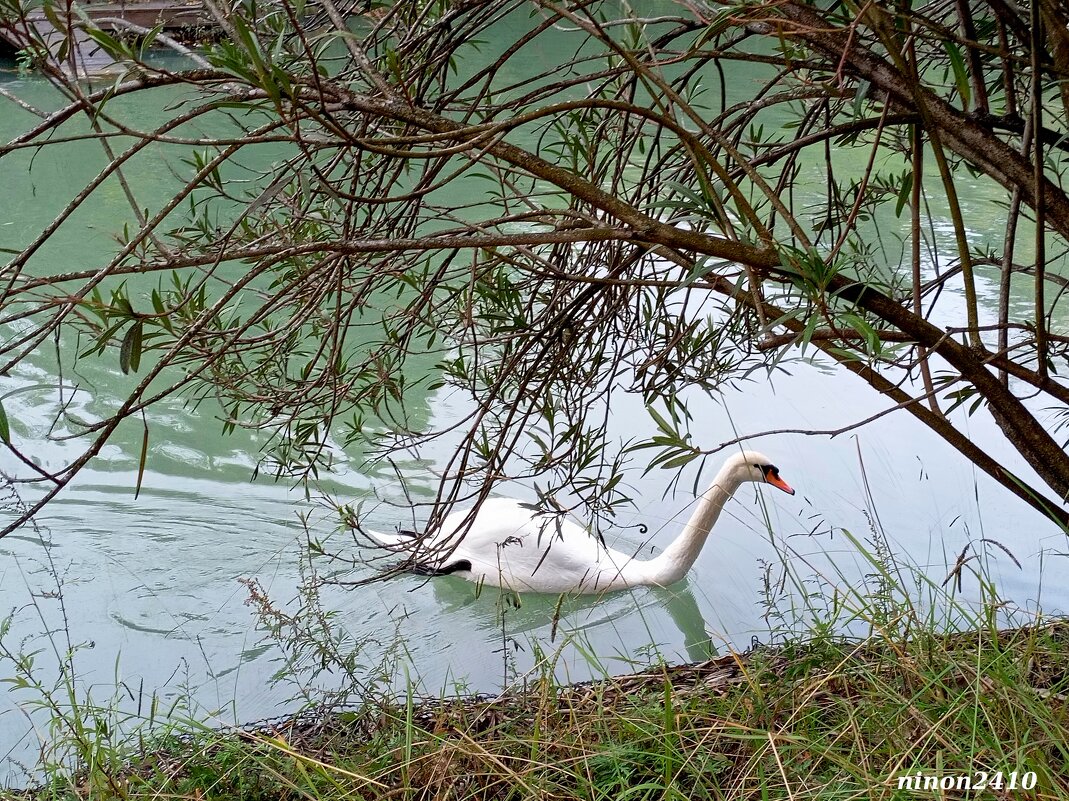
[811, 718]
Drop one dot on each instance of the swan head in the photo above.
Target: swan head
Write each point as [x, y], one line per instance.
[756, 467]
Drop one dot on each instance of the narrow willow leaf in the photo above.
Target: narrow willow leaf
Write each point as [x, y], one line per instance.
[130, 351]
[678, 461]
[904, 193]
[111, 45]
[5, 428]
[860, 94]
[661, 422]
[144, 457]
[961, 76]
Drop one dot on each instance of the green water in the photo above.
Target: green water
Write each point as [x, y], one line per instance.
[152, 583]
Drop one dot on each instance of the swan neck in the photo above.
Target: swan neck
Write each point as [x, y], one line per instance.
[680, 556]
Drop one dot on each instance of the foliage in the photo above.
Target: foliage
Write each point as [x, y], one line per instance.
[429, 199]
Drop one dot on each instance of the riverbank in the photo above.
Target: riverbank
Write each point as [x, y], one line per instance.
[79, 52]
[878, 718]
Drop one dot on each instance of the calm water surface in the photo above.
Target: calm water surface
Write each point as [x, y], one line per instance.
[151, 585]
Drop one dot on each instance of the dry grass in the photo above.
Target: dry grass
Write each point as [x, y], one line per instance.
[826, 719]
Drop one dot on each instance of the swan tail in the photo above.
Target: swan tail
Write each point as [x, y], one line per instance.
[424, 569]
[395, 540]
[404, 540]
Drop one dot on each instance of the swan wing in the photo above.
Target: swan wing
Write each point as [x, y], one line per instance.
[504, 542]
[508, 544]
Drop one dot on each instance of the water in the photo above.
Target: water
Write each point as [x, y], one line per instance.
[151, 586]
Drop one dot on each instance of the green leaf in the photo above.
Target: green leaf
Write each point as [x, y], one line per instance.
[144, 456]
[961, 76]
[904, 192]
[860, 94]
[661, 422]
[5, 428]
[678, 461]
[130, 351]
[867, 332]
[111, 45]
[808, 331]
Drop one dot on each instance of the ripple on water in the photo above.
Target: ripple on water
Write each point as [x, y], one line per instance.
[187, 457]
[144, 628]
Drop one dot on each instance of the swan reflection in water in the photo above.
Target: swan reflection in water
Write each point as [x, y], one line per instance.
[534, 613]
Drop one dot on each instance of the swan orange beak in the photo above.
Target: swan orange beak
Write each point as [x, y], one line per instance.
[778, 482]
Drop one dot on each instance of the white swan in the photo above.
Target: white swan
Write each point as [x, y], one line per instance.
[507, 544]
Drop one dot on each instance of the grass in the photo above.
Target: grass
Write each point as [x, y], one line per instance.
[828, 718]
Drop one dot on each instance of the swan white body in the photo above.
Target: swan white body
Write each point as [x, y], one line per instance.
[509, 545]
